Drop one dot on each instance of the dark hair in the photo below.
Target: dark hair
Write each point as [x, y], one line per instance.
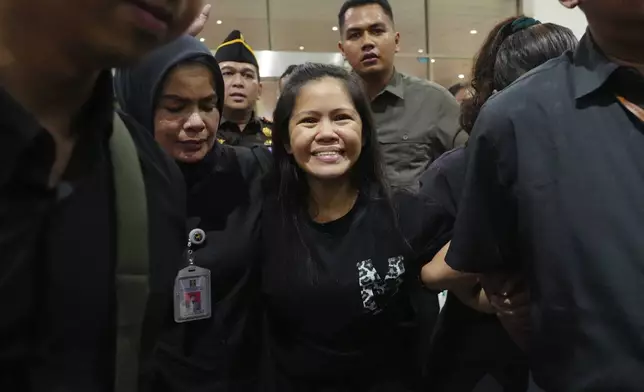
[289, 70]
[513, 47]
[384, 4]
[456, 88]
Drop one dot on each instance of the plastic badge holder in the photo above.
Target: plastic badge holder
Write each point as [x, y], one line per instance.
[192, 287]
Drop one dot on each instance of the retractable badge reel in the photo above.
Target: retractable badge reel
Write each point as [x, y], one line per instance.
[192, 286]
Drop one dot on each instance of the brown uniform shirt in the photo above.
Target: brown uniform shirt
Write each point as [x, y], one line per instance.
[417, 121]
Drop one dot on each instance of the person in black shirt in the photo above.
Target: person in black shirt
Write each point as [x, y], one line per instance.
[340, 253]
[62, 248]
[177, 93]
[553, 191]
[471, 344]
[240, 125]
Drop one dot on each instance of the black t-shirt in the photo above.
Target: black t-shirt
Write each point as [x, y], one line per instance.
[554, 188]
[225, 200]
[464, 337]
[338, 305]
[57, 250]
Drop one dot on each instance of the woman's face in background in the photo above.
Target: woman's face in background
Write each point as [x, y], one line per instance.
[325, 130]
[186, 118]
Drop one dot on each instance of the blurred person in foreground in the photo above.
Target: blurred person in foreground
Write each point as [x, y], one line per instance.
[553, 191]
[417, 120]
[91, 211]
[471, 344]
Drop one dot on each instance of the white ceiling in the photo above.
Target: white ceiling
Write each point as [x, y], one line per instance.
[308, 23]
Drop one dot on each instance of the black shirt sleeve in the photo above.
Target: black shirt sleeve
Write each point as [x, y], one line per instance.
[485, 234]
[425, 225]
[443, 180]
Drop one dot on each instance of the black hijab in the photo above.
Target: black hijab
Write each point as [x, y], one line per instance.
[138, 89]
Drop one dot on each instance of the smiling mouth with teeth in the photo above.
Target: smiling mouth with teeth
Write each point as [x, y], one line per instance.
[326, 153]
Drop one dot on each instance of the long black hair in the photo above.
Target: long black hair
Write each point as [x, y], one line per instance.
[513, 47]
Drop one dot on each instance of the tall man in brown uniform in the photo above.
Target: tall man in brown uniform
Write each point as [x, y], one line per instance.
[64, 155]
[240, 125]
[417, 120]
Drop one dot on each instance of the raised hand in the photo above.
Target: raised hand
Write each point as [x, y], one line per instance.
[197, 26]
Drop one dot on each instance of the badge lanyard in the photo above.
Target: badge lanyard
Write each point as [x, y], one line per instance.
[631, 107]
[192, 286]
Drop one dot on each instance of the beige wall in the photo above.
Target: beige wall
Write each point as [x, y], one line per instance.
[430, 29]
[268, 100]
[553, 12]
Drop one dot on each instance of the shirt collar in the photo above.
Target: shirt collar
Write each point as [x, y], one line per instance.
[592, 68]
[253, 120]
[395, 85]
[19, 129]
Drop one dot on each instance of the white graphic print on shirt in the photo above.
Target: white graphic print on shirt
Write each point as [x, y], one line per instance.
[372, 286]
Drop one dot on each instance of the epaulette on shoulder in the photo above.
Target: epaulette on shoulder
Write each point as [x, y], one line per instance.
[267, 128]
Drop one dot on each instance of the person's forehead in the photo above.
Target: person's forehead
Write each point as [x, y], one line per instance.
[365, 15]
[237, 66]
[313, 94]
[191, 67]
[188, 70]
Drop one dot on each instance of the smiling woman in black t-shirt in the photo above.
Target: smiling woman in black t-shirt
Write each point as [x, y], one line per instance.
[340, 251]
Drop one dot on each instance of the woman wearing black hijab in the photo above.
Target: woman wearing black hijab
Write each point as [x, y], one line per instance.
[177, 94]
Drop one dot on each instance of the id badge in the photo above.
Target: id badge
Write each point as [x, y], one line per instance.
[192, 294]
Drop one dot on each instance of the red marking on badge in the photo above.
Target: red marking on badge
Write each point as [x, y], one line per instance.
[191, 298]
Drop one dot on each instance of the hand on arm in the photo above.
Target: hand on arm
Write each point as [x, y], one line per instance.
[510, 297]
[437, 275]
